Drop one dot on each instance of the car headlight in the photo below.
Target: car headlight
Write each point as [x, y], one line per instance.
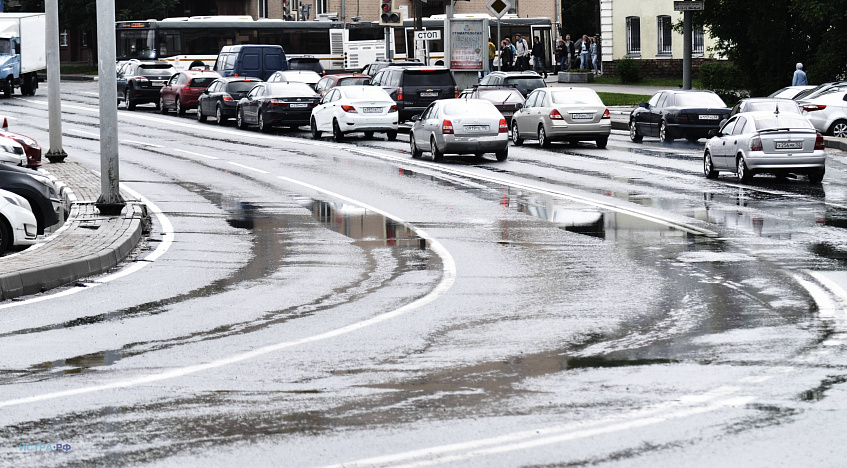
[27, 141]
[42, 180]
[12, 201]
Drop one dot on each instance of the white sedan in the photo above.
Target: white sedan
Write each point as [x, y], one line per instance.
[828, 113]
[460, 126]
[347, 109]
[17, 223]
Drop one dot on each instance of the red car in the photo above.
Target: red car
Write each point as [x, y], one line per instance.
[183, 90]
[31, 148]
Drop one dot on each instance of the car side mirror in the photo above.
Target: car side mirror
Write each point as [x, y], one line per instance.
[415, 118]
[518, 106]
[205, 91]
[713, 133]
[723, 122]
[643, 104]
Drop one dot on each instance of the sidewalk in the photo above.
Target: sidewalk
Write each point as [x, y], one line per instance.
[87, 244]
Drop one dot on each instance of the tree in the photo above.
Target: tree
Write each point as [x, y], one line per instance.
[766, 38]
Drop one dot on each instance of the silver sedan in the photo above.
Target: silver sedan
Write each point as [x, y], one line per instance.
[563, 114]
[765, 142]
[460, 126]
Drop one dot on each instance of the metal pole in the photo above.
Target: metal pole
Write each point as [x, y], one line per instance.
[110, 202]
[54, 100]
[343, 13]
[499, 38]
[388, 43]
[686, 50]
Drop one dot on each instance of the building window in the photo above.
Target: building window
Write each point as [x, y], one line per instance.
[63, 38]
[263, 8]
[698, 46]
[320, 6]
[633, 35]
[665, 29]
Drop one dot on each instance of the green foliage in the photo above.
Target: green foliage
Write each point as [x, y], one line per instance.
[629, 70]
[725, 79]
[620, 99]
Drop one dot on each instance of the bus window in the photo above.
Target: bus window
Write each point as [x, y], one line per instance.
[399, 41]
[135, 43]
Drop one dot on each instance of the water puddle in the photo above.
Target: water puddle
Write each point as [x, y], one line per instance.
[819, 393]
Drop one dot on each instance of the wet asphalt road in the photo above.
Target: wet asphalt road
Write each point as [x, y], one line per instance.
[322, 303]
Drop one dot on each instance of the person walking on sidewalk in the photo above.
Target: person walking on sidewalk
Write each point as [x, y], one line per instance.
[492, 52]
[505, 55]
[522, 49]
[799, 76]
[538, 53]
[583, 53]
[592, 50]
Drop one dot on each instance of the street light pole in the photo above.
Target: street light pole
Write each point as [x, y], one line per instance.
[110, 202]
[54, 100]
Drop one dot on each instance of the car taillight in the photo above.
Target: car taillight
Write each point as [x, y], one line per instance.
[446, 127]
[682, 118]
[393, 108]
[277, 103]
[555, 115]
[348, 109]
[756, 144]
[227, 97]
[399, 94]
[456, 92]
[606, 115]
[814, 107]
[819, 142]
[503, 127]
[140, 78]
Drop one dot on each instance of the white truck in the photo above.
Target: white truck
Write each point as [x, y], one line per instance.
[22, 51]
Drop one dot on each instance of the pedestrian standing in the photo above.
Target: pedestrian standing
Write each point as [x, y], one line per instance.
[492, 51]
[538, 53]
[570, 50]
[514, 53]
[799, 76]
[592, 50]
[583, 53]
[505, 55]
[522, 49]
[561, 55]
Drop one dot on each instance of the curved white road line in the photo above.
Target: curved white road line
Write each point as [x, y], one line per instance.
[447, 280]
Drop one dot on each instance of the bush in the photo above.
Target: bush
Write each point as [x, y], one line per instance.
[726, 80]
[629, 70]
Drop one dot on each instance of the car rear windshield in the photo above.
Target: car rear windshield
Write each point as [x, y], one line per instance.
[240, 86]
[155, 70]
[698, 100]
[428, 78]
[576, 96]
[354, 81]
[772, 122]
[367, 92]
[470, 107]
[291, 90]
[202, 81]
[526, 84]
[501, 95]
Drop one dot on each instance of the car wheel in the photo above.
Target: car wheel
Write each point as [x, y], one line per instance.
[336, 131]
[219, 115]
[391, 135]
[416, 152]
[239, 119]
[437, 155]
[369, 135]
[8, 88]
[839, 129]
[741, 170]
[816, 177]
[709, 166]
[130, 105]
[5, 236]
[263, 127]
[664, 137]
[503, 154]
[180, 110]
[162, 108]
[602, 142]
[200, 116]
[314, 127]
[516, 135]
[633, 132]
[543, 141]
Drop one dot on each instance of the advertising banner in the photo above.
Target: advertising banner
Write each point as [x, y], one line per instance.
[468, 44]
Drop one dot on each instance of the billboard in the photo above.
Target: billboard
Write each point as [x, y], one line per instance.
[468, 44]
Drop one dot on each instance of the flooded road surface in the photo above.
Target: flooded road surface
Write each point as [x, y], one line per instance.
[329, 304]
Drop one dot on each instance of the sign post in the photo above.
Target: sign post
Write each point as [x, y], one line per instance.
[686, 7]
[498, 8]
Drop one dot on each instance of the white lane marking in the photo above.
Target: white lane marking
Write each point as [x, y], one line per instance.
[448, 277]
[142, 143]
[832, 286]
[196, 154]
[248, 168]
[167, 240]
[73, 130]
[534, 438]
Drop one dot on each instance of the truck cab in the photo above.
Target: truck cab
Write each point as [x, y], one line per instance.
[22, 52]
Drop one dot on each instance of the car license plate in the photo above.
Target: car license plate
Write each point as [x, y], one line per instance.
[372, 110]
[789, 145]
[299, 105]
[429, 94]
[709, 117]
[582, 116]
[476, 128]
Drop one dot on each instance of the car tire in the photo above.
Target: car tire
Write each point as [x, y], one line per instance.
[219, 115]
[200, 116]
[741, 170]
[391, 135]
[664, 137]
[416, 152]
[337, 135]
[503, 154]
[839, 129]
[633, 132]
[516, 135]
[5, 235]
[313, 126]
[543, 141]
[369, 135]
[8, 88]
[709, 166]
[239, 119]
[130, 105]
[260, 121]
[816, 177]
[180, 109]
[602, 142]
[162, 108]
[437, 155]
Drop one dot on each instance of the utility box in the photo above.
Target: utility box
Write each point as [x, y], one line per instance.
[23, 52]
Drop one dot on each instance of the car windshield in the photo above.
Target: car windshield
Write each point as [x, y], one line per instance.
[471, 107]
[290, 89]
[353, 81]
[576, 96]
[202, 81]
[779, 121]
[299, 77]
[366, 92]
[428, 78]
[240, 86]
[783, 106]
[156, 70]
[5, 46]
[501, 95]
[526, 84]
[698, 100]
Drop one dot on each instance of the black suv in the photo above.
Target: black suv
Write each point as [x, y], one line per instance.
[139, 81]
[306, 63]
[525, 81]
[414, 88]
[374, 67]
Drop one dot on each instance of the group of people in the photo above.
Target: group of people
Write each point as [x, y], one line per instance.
[516, 55]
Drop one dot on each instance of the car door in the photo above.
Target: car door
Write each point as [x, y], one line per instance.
[657, 112]
[521, 117]
[537, 113]
[641, 115]
[734, 141]
[121, 79]
[326, 111]
[718, 147]
[251, 107]
[420, 130]
[205, 98]
[167, 91]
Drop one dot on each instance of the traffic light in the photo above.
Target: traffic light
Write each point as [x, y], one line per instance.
[388, 16]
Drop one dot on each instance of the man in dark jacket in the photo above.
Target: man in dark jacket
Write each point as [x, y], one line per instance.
[506, 56]
[538, 57]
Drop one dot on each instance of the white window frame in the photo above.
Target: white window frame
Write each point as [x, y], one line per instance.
[263, 9]
[63, 38]
[633, 38]
[320, 7]
[698, 42]
[664, 26]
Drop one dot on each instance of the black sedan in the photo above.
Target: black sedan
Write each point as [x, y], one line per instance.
[221, 98]
[37, 189]
[270, 105]
[672, 114]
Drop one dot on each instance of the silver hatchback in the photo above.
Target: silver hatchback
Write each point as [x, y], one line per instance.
[460, 126]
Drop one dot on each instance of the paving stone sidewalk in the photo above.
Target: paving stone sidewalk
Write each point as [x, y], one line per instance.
[87, 244]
